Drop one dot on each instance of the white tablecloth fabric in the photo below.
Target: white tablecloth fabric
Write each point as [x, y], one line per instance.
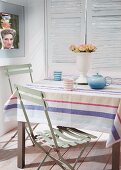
[85, 108]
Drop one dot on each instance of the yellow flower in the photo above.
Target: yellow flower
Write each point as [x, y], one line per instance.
[83, 48]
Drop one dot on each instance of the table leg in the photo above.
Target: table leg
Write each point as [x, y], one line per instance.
[21, 144]
[116, 156]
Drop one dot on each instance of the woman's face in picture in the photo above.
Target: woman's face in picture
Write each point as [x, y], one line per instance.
[7, 41]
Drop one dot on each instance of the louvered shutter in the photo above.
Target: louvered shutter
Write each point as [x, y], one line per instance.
[104, 30]
[65, 26]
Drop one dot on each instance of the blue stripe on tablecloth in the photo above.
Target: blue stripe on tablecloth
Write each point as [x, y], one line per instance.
[69, 111]
[64, 110]
[115, 133]
[82, 112]
[11, 106]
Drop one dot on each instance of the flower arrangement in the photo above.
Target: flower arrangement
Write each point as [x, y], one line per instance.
[83, 48]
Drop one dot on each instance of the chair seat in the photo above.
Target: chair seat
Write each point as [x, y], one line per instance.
[65, 137]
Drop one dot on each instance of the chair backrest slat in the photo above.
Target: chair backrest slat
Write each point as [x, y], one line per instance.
[17, 69]
[15, 72]
[10, 67]
[31, 99]
[29, 90]
[30, 95]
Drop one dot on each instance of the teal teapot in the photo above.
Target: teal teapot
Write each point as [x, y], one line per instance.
[98, 81]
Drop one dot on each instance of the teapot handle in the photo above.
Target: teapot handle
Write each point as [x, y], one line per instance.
[108, 80]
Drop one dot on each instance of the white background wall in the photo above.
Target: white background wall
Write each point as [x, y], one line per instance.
[34, 52]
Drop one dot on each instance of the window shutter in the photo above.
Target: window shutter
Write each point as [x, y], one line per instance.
[65, 26]
[104, 30]
[65, 23]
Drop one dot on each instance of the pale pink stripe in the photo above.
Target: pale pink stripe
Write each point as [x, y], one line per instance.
[60, 101]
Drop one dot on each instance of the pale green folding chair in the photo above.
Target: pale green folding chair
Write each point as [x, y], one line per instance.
[55, 138]
[15, 70]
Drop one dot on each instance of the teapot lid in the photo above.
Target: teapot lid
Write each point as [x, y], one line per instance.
[97, 75]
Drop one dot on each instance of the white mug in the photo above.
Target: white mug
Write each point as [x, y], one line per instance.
[68, 84]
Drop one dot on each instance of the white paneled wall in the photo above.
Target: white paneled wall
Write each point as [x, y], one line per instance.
[34, 24]
[34, 52]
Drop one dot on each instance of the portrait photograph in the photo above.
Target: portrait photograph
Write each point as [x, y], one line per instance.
[12, 30]
[9, 31]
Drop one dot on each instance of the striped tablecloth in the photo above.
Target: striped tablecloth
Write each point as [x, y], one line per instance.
[85, 108]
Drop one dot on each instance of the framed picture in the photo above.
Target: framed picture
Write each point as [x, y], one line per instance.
[12, 38]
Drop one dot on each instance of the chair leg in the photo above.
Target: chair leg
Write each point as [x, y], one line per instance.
[61, 163]
[10, 139]
[30, 136]
[43, 160]
[15, 136]
[55, 161]
[81, 154]
[33, 130]
[58, 161]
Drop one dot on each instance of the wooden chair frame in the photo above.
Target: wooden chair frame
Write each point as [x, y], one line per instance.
[55, 138]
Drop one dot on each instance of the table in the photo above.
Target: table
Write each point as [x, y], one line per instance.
[98, 110]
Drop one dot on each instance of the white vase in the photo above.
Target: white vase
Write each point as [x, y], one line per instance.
[83, 64]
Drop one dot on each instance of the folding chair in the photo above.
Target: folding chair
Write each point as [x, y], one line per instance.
[55, 138]
[13, 70]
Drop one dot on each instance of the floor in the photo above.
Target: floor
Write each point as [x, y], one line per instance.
[95, 157]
